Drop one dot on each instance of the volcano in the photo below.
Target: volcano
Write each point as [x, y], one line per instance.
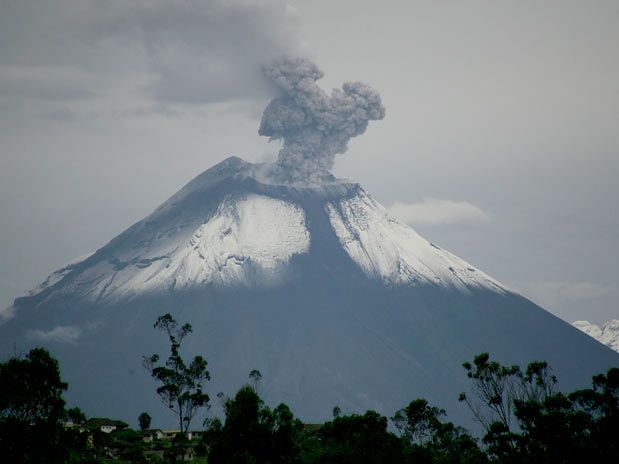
[316, 285]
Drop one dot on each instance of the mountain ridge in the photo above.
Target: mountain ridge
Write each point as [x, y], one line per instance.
[314, 284]
[395, 253]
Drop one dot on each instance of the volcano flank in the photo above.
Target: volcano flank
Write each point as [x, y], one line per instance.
[314, 284]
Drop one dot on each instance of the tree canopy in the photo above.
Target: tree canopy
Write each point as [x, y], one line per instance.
[31, 388]
[181, 383]
[525, 420]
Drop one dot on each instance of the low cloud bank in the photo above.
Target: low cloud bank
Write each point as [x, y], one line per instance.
[432, 211]
[61, 333]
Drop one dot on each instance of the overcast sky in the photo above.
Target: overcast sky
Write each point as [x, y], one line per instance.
[501, 140]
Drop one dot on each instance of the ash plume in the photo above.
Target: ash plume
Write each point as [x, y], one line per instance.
[314, 126]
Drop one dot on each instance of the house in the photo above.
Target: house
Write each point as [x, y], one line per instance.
[195, 435]
[172, 433]
[72, 425]
[105, 425]
[149, 435]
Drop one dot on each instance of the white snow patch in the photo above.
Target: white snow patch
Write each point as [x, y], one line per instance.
[247, 241]
[58, 275]
[608, 334]
[390, 250]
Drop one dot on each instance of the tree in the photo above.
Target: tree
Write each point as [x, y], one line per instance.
[502, 394]
[495, 388]
[337, 411]
[418, 421]
[550, 426]
[31, 409]
[253, 433]
[144, 420]
[255, 376]
[76, 416]
[355, 439]
[181, 384]
[31, 388]
[601, 406]
[428, 439]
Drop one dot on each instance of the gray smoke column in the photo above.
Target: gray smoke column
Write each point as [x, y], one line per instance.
[314, 126]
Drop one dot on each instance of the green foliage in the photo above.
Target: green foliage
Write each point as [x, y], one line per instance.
[418, 422]
[32, 414]
[31, 388]
[526, 420]
[181, 384]
[601, 404]
[144, 421]
[451, 444]
[76, 416]
[355, 439]
[428, 439]
[252, 433]
[550, 427]
[31, 408]
[495, 388]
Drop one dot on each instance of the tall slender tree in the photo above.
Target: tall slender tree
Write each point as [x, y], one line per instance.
[181, 383]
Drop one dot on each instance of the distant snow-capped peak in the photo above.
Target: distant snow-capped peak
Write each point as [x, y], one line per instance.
[608, 334]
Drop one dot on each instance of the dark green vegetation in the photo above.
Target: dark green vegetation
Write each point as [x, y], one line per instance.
[525, 420]
[32, 409]
[181, 383]
[144, 420]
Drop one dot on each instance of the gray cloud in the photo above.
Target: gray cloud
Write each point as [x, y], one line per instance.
[313, 125]
[61, 333]
[6, 314]
[515, 110]
[432, 211]
[43, 83]
[554, 294]
[157, 50]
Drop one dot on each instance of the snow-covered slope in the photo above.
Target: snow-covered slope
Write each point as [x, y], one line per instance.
[608, 334]
[335, 301]
[390, 250]
[248, 239]
[57, 275]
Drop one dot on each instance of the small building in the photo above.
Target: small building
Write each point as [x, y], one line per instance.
[105, 425]
[172, 433]
[195, 435]
[72, 425]
[150, 435]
